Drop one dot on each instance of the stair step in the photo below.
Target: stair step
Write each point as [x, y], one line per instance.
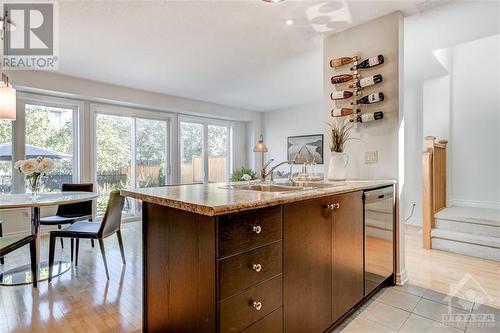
[483, 216]
[481, 246]
[467, 227]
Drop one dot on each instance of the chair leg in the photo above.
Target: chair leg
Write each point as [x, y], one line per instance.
[76, 253]
[52, 249]
[103, 253]
[120, 243]
[62, 243]
[92, 242]
[34, 269]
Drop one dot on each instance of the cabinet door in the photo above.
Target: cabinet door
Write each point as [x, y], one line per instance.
[347, 252]
[307, 265]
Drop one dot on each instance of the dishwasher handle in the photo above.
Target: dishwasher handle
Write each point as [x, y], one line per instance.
[379, 194]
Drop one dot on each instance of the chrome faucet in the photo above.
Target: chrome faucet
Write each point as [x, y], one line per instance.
[264, 173]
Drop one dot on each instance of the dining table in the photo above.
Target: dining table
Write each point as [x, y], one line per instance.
[22, 274]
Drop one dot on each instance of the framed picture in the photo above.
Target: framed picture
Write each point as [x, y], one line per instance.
[305, 148]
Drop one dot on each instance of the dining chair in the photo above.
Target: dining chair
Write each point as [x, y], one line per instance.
[70, 213]
[12, 243]
[110, 225]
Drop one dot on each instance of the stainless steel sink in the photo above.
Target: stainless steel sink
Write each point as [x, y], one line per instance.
[263, 187]
[281, 187]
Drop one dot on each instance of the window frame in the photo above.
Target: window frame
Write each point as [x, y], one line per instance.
[19, 133]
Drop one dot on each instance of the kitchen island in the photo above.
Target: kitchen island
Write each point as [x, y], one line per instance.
[218, 258]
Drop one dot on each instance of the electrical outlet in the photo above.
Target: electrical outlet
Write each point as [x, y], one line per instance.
[371, 157]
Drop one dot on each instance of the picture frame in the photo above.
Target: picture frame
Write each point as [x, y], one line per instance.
[303, 148]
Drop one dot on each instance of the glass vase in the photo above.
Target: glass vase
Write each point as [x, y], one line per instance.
[34, 184]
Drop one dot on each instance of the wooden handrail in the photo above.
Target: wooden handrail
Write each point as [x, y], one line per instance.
[434, 184]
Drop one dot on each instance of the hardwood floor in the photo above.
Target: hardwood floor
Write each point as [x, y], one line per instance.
[440, 270]
[82, 301]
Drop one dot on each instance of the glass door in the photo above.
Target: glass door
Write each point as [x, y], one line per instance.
[150, 154]
[113, 158]
[131, 152]
[218, 153]
[191, 152]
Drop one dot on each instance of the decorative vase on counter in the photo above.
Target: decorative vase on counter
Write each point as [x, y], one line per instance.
[337, 167]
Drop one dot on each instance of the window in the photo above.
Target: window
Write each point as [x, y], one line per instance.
[191, 152]
[218, 153]
[5, 156]
[49, 133]
[131, 152]
[204, 146]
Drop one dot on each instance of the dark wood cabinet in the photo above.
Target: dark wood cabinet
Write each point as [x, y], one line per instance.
[292, 268]
[347, 253]
[307, 266]
[323, 261]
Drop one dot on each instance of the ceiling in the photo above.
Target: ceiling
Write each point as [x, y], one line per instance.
[235, 53]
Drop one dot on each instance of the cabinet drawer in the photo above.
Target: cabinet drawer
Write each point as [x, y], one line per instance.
[240, 311]
[242, 231]
[272, 323]
[249, 268]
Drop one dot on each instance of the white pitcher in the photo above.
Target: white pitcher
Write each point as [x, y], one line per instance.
[337, 167]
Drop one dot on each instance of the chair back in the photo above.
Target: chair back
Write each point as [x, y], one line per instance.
[113, 215]
[79, 208]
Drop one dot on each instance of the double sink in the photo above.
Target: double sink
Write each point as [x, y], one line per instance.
[281, 187]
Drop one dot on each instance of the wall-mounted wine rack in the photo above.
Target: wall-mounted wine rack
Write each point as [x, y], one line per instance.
[353, 84]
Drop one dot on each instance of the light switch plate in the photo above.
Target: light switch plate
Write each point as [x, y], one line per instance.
[371, 157]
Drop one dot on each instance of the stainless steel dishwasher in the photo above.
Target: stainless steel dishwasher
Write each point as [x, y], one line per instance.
[379, 225]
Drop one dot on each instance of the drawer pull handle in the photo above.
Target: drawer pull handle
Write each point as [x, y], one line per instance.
[257, 305]
[330, 206]
[257, 229]
[257, 267]
[337, 205]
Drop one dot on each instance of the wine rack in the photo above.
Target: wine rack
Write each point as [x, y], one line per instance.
[349, 84]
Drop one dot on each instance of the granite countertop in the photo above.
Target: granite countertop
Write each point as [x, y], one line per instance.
[214, 199]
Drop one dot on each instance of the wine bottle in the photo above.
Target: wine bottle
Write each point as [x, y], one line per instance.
[369, 99]
[342, 78]
[367, 117]
[342, 94]
[342, 61]
[343, 112]
[369, 63]
[366, 82]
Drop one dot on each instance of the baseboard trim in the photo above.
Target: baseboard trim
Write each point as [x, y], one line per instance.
[402, 277]
[474, 204]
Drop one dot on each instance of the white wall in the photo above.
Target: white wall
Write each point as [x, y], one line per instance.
[475, 123]
[436, 107]
[280, 124]
[380, 36]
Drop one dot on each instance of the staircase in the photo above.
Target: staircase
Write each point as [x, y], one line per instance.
[470, 231]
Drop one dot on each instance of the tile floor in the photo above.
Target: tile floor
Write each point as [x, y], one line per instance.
[413, 309]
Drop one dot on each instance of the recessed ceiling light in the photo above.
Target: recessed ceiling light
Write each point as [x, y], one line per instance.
[290, 21]
[273, 1]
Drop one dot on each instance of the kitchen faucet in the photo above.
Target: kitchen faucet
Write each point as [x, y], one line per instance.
[264, 173]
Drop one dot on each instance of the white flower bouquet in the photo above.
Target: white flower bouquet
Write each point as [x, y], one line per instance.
[33, 169]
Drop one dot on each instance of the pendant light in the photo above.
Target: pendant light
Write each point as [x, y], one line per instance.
[7, 99]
